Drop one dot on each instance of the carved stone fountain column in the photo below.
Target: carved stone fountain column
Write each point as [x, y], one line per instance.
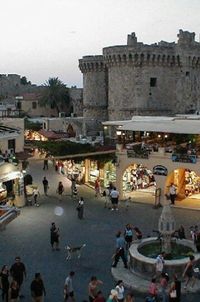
[166, 227]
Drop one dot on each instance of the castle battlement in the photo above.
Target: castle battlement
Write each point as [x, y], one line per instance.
[92, 63]
[137, 78]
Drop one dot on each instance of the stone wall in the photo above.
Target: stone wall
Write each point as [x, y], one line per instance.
[162, 78]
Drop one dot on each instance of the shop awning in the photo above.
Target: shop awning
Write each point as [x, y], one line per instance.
[8, 172]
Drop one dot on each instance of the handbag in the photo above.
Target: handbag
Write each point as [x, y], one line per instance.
[173, 294]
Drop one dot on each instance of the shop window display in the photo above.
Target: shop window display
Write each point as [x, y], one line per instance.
[192, 183]
[138, 177]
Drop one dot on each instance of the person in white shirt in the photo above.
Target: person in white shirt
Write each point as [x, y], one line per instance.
[160, 264]
[120, 291]
[68, 287]
[114, 195]
[35, 196]
[172, 193]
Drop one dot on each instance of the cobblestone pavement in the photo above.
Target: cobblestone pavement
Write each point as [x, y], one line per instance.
[29, 237]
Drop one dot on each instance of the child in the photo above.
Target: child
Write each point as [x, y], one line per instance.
[127, 203]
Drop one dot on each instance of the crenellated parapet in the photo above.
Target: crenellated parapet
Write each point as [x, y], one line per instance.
[92, 63]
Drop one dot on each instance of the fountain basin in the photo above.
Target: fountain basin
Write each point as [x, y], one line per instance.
[145, 266]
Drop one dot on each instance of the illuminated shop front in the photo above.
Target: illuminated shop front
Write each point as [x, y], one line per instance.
[11, 185]
[87, 171]
[137, 178]
[187, 183]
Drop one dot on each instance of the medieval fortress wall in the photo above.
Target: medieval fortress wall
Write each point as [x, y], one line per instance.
[158, 79]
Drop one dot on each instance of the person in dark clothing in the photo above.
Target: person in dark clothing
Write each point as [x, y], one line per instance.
[54, 238]
[45, 185]
[120, 250]
[181, 232]
[18, 271]
[4, 274]
[45, 164]
[37, 288]
[14, 291]
[175, 290]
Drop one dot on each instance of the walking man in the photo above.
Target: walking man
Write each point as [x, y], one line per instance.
[60, 190]
[114, 195]
[73, 185]
[45, 185]
[120, 250]
[68, 287]
[37, 288]
[18, 272]
[54, 237]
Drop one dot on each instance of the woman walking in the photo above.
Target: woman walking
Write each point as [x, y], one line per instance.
[175, 290]
[120, 291]
[60, 190]
[4, 274]
[189, 272]
[80, 208]
[128, 235]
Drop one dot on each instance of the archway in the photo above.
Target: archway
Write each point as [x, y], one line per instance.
[187, 183]
[139, 182]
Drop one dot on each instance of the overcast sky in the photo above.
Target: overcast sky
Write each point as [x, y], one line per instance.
[45, 38]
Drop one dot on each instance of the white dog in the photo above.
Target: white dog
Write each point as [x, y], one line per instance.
[74, 250]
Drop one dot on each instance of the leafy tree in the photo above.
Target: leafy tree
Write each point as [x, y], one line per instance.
[56, 95]
[24, 81]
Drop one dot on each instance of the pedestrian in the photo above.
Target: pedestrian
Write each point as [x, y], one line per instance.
[175, 290]
[128, 235]
[106, 197]
[129, 297]
[127, 203]
[181, 232]
[93, 288]
[160, 264]
[120, 250]
[18, 272]
[114, 194]
[36, 193]
[45, 185]
[4, 282]
[73, 185]
[75, 192]
[153, 290]
[189, 272]
[99, 297]
[80, 208]
[113, 296]
[68, 287]
[120, 290]
[60, 190]
[46, 166]
[37, 289]
[172, 193]
[138, 233]
[97, 187]
[13, 292]
[163, 286]
[54, 237]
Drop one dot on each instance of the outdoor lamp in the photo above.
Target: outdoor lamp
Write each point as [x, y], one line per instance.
[118, 132]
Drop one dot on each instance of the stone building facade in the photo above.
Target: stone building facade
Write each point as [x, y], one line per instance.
[139, 79]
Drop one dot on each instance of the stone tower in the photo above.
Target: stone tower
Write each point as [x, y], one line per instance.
[95, 98]
[157, 79]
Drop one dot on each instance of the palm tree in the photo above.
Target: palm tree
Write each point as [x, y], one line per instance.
[55, 95]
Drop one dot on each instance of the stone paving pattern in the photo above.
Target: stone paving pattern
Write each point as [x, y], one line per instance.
[29, 237]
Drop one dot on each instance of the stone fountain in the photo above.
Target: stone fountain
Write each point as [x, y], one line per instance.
[142, 262]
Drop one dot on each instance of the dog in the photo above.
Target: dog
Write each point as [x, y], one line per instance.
[74, 250]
